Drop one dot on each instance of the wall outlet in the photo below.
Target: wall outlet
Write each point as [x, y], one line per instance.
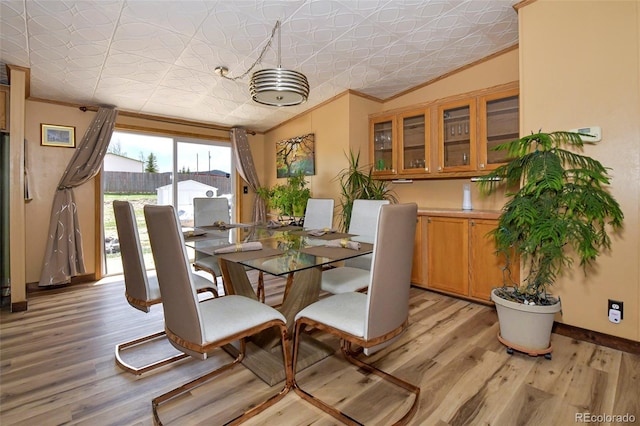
[615, 311]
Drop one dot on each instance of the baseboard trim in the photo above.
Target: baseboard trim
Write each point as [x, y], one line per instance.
[80, 279]
[19, 306]
[597, 338]
[571, 331]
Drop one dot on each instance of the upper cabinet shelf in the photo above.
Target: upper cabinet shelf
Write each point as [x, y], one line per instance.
[448, 138]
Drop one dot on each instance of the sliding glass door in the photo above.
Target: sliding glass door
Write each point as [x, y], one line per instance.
[149, 169]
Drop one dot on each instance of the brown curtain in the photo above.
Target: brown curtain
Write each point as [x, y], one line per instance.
[63, 256]
[247, 170]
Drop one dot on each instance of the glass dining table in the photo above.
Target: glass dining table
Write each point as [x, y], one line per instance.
[284, 250]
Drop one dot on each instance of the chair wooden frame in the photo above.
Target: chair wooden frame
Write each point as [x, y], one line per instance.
[135, 272]
[346, 340]
[159, 400]
[198, 327]
[122, 346]
[373, 320]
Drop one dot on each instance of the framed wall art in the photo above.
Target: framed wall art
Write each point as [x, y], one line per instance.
[295, 156]
[53, 135]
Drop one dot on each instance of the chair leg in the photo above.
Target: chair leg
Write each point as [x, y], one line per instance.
[141, 370]
[156, 402]
[349, 355]
[329, 409]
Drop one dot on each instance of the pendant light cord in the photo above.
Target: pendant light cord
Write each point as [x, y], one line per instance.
[262, 53]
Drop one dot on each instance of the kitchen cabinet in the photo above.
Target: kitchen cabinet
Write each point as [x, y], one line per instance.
[418, 274]
[448, 254]
[447, 138]
[457, 136]
[499, 123]
[383, 134]
[458, 256]
[486, 269]
[400, 143]
[413, 141]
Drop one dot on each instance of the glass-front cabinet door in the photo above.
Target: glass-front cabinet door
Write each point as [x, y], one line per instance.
[457, 136]
[499, 123]
[383, 141]
[413, 136]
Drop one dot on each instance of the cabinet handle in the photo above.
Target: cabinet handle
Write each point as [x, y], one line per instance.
[439, 168]
[472, 223]
[482, 165]
[429, 220]
[426, 169]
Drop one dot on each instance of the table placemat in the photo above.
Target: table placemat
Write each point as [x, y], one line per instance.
[223, 227]
[280, 228]
[203, 236]
[241, 256]
[326, 236]
[336, 252]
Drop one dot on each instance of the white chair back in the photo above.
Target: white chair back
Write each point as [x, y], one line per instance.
[181, 311]
[206, 211]
[364, 219]
[319, 213]
[135, 275]
[388, 296]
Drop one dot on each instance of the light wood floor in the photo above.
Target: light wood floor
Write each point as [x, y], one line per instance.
[57, 367]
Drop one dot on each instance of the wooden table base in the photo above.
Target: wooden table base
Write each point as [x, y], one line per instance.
[264, 353]
[267, 363]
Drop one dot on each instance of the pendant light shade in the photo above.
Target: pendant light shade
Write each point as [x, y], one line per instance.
[274, 86]
[279, 87]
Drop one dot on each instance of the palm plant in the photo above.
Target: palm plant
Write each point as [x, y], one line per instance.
[357, 183]
[561, 202]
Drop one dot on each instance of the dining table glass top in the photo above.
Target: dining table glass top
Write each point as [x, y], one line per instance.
[284, 250]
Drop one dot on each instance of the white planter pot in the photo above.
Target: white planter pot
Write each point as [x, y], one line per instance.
[525, 327]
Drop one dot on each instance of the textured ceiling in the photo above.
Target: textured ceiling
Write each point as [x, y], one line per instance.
[158, 57]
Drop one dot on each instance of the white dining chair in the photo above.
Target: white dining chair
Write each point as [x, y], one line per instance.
[354, 275]
[207, 211]
[198, 328]
[374, 320]
[318, 213]
[141, 287]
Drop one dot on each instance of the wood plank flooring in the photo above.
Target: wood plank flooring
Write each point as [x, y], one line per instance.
[57, 367]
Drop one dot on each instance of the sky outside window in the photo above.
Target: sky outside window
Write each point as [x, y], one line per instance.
[194, 157]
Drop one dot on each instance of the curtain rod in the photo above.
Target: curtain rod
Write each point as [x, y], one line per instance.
[166, 120]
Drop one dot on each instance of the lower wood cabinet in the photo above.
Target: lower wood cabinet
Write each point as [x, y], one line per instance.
[457, 256]
[448, 254]
[418, 273]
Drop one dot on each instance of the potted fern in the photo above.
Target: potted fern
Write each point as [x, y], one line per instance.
[559, 210]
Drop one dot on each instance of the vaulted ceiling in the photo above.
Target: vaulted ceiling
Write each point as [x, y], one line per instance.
[158, 57]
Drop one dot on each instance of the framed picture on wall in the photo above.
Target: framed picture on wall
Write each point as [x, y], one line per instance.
[296, 156]
[53, 135]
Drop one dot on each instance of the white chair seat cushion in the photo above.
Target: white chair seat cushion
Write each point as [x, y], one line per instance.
[360, 262]
[225, 316]
[345, 311]
[201, 282]
[209, 263]
[154, 288]
[344, 279]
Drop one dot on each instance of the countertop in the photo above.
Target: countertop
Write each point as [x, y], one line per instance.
[467, 214]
